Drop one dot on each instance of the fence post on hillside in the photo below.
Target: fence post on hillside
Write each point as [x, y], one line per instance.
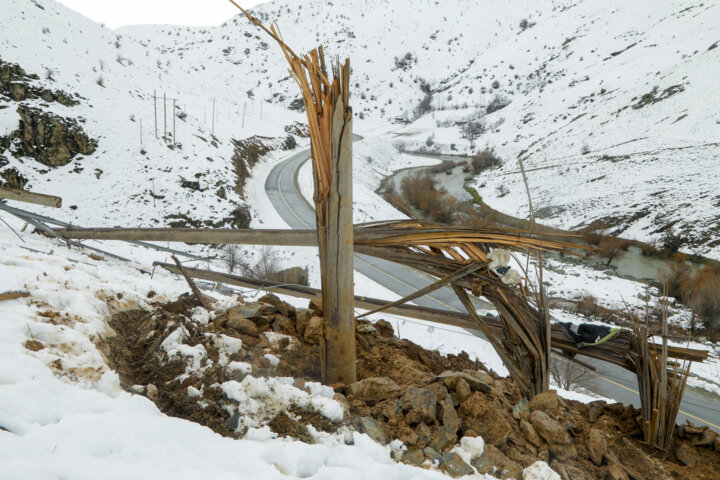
[164, 117]
[243, 120]
[155, 109]
[173, 115]
[213, 116]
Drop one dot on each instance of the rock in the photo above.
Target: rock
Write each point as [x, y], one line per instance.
[283, 324]
[315, 306]
[539, 471]
[249, 311]
[423, 434]
[432, 455]
[546, 401]
[616, 472]
[455, 466]
[564, 452]
[493, 461]
[372, 429]
[597, 446]
[51, 139]
[238, 323]
[384, 329]
[420, 405]
[374, 389]
[717, 444]
[594, 413]
[549, 429]
[364, 328]
[302, 317]
[686, 454]
[234, 422]
[521, 410]
[574, 473]
[462, 390]
[478, 381]
[497, 431]
[530, 433]
[152, 392]
[414, 456]
[706, 439]
[448, 415]
[314, 330]
[444, 437]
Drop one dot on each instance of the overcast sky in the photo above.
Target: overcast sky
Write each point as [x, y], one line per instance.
[116, 13]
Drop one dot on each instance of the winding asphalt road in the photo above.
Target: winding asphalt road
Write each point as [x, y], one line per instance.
[609, 380]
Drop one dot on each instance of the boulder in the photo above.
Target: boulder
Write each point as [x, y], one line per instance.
[546, 401]
[423, 434]
[549, 429]
[497, 431]
[493, 461]
[314, 330]
[616, 472]
[443, 438]
[448, 415]
[455, 466]
[371, 428]
[478, 380]
[373, 390]
[413, 456]
[302, 317]
[530, 433]
[564, 452]
[462, 390]
[596, 445]
[420, 404]
[686, 454]
[521, 410]
[384, 329]
[236, 322]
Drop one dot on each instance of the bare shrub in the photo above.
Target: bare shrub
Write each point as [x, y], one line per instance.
[568, 375]
[611, 247]
[420, 191]
[703, 296]
[483, 160]
[232, 257]
[676, 280]
[473, 129]
[497, 103]
[269, 262]
[588, 306]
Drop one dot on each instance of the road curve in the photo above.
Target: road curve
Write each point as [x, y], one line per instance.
[610, 381]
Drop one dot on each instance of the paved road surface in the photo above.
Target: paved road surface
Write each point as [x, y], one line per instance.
[609, 380]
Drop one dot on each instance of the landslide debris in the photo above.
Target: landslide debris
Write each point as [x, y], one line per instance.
[428, 401]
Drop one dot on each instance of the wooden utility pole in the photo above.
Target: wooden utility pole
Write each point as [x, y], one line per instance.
[30, 197]
[213, 116]
[164, 117]
[243, 120]
[338, 290]
[155, 108]
[173, 115]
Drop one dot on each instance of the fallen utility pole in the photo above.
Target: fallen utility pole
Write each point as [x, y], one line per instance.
[30, 197]
[613, 351]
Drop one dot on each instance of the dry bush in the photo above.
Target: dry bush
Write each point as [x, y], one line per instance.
[676, 280]
[568, 375]
[611, 247]
[443, 167]
[588, 306]
[483, 160]
[421, 192]
[705, 296]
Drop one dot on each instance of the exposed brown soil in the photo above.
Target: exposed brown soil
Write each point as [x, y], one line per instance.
[427, 400]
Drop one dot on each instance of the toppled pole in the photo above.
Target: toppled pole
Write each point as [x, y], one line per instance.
[30, 197]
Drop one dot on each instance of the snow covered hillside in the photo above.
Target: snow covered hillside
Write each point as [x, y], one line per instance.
[610, 105]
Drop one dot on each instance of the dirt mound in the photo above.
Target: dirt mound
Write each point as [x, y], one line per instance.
[204, 366]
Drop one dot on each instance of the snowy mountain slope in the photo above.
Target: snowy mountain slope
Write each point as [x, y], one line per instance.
[125, 182]
[579, 77]
[611, 107]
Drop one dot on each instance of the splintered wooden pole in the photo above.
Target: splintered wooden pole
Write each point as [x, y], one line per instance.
[30, 197]
[338, 291]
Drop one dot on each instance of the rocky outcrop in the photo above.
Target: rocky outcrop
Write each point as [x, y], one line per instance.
[48, 138]
[249, 151]
[18, 85]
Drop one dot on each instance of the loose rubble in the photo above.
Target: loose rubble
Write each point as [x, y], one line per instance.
[242, 367]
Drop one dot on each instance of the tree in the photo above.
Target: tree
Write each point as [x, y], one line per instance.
[611, 247]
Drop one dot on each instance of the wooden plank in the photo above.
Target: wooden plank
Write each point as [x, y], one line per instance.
[30, 197]
[196, 291]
